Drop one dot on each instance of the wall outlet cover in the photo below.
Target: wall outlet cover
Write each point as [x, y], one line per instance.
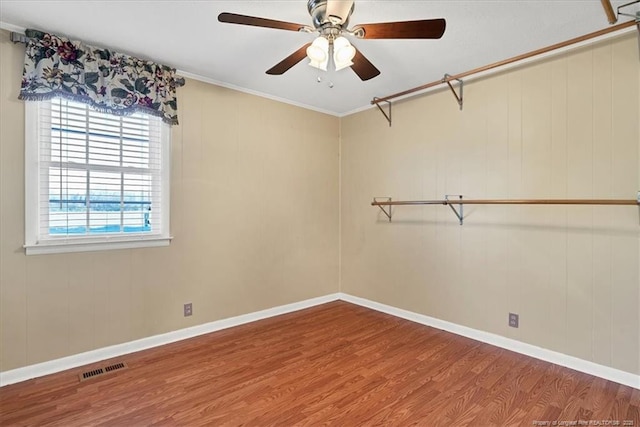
[514, 320]
[188, 309]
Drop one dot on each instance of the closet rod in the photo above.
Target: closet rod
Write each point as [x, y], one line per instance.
[458, 199]
[460, 76]
[629, 202]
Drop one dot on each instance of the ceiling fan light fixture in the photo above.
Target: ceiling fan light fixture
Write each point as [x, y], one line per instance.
[318, 53]
[343, 53]
[319, 65]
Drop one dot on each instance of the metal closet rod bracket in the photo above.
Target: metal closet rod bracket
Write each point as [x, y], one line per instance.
[386, 115]
[376, 200]
[459, 214]
[385, 204]
[635, 15]
[459, 95]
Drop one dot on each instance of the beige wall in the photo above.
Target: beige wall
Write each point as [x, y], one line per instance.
[563, 128]
[254, 215]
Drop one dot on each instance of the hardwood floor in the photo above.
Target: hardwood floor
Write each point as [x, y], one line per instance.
[336, 363]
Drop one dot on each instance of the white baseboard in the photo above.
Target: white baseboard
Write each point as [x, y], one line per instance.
[57, 365]
[551, 356]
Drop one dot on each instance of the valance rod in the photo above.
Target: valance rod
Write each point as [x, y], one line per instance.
[537, 52]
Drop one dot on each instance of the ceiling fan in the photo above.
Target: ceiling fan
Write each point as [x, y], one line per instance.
[330, 19]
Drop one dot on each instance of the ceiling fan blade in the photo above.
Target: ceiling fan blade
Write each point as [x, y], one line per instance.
[233, 18]
[339, 8]
[288, 62]
[363, 67]
[422, 29]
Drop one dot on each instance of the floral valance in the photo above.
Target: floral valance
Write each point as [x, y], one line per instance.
[108, 81]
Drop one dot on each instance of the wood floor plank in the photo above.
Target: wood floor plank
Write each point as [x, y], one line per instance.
[336, 363]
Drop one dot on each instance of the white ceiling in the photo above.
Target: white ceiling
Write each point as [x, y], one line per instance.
[187, 35]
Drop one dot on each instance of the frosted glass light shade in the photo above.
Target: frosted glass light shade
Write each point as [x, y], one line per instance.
[343, 53]
[318, 53]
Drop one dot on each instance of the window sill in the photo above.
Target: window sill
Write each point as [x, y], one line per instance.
[78, 245]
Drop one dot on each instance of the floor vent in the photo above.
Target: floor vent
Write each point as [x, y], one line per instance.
[115, 367]
[101, 371]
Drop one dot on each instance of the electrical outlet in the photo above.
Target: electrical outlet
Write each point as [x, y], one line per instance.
[188, 309]
[514, 320]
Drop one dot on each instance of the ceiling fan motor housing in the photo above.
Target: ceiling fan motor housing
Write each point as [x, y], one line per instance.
[318, 11]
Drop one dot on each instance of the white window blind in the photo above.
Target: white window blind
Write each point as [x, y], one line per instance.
[100, 177]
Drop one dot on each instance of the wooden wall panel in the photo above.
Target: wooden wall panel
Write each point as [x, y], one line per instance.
[565, 127]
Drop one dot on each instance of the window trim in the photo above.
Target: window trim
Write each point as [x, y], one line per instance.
[85, 243]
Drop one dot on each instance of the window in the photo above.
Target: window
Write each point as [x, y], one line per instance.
[94, 180]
